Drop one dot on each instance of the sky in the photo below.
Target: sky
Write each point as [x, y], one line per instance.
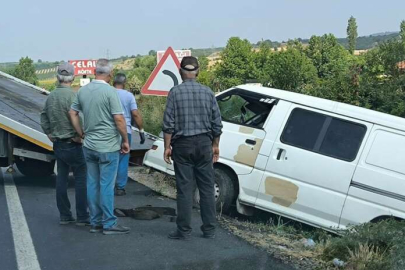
[86, 29]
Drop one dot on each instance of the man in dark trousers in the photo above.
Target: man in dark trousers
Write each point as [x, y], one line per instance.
[192, 126]
[67, 146]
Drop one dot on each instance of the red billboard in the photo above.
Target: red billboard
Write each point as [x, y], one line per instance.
[84, 67]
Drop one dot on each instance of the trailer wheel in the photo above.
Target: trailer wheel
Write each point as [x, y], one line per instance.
[224, 191]
[3, 162]
[34, 167]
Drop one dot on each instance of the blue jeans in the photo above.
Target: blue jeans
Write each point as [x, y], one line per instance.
[70, 155]
[122, 176]
[101, 173]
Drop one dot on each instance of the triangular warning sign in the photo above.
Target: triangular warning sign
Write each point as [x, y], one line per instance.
[165, 75]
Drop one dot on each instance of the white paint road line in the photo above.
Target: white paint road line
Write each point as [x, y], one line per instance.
[24, 248]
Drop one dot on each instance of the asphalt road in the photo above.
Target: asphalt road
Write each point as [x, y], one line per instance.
[69, 247]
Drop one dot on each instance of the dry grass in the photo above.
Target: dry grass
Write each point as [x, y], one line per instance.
[125, 65]
[363, 256]
[278, 240]
[159, 182]
[48, 84]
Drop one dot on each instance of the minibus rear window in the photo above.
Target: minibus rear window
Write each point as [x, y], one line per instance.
[323, 134]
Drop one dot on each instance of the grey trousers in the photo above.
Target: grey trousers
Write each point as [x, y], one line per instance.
[193, 164]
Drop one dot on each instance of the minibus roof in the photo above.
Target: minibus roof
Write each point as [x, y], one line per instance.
[343, 109]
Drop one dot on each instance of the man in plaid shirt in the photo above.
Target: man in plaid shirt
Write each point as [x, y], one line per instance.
[192, 126]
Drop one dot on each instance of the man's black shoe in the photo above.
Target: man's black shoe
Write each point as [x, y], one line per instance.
[96, 229]
[120, 192]
[65, 221]
[179, 236]
[209, 235]
[116, 229]
[83, 223]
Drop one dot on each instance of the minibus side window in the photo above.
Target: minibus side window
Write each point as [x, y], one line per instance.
[343, 139]
[323, 134]
[303, 129]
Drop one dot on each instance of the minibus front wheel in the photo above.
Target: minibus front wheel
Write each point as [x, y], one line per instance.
[224, 191]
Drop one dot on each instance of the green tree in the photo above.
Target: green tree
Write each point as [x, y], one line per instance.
[148, 62]
[237, 64]
[260, 59]
[207, 77]
[296, 44]
[152, 53]
[25, 70]
[327, 55]
[141, 71]
[290, 70]
[388, 97]
[402, 31]
[352, 34]
[383, 80]
[384, 60]
[203, 61]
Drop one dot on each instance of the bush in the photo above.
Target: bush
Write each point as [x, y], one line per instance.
[152, 109]
[371, 246]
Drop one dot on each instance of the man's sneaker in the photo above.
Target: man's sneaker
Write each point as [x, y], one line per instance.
[65, 221]
[96, 229]
[209, 235]
[83, 223]
[179, 236]
[120, 192]
[116, 229]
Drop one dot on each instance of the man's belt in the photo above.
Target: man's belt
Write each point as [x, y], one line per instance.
[67, 140]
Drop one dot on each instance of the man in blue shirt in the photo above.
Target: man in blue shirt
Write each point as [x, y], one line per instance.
[131, 115]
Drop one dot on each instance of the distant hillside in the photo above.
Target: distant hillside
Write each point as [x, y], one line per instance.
[363, 42]
[368, 42]
[205, 52]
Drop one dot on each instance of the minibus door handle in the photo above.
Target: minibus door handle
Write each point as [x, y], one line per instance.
[280, 151]
[252, 142]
